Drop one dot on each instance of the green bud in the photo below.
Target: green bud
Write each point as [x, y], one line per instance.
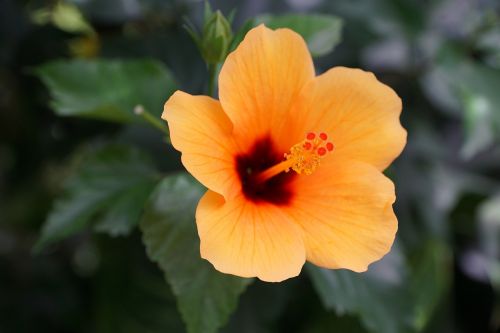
[216, 38]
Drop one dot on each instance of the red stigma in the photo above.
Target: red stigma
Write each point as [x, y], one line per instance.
[329, 146]
[321, 151]
[323, 136]
[310, 136]
[307, 145]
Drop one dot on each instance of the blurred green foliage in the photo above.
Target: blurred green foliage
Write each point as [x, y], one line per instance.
[107, 190]
[206, 297]
[106, 89]
[101, 194]
[322, 32]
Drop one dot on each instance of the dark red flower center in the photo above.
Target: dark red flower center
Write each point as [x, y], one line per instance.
[262, 155]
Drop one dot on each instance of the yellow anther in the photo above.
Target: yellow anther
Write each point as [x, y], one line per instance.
[303, 160]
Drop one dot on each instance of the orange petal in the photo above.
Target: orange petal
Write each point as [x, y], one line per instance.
[345, 211]
[261, 79]
[248, 240]
[360, 114]
[201, 131]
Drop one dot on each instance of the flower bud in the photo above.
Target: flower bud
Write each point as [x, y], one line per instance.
[216, 38]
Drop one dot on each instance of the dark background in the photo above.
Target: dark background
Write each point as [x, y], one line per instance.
[442, 57]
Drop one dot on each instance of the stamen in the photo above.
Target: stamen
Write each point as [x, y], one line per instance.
[304, 157]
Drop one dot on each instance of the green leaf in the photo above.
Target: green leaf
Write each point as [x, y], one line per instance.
[376, 296]
[429, 281]
[478, 89]
[65, 16]
[321, 32]
[108, 189]
[68, 17]
[205, 297]
[391, 297]
[478, 124]
[107, 89]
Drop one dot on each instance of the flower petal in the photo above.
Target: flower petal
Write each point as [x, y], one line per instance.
[248, 240]
[261, 79]
[345, 211]
[201, 131]
[360, 114]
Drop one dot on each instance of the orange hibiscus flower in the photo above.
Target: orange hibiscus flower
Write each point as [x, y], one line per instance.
[292, 161]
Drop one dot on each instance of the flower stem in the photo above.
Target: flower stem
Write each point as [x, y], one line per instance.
[152, 120]
[212, 78]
